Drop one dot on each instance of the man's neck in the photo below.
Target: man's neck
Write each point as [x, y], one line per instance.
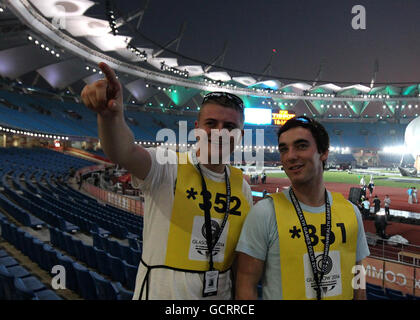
[313, 196]
[217, 168]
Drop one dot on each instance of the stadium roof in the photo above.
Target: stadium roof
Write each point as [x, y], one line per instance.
[55, 45]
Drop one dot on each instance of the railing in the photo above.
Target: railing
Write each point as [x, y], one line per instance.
[391, 250]
[394, 275]
[117, 200]
[120, 201]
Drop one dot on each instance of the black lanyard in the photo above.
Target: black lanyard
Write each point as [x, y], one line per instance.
[317, 275]
[207, 216]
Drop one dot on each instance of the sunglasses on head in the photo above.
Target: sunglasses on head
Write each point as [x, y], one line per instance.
[303, 120]
[235, 99]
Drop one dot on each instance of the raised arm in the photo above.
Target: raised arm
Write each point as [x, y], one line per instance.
[105, 97]
[249, 272]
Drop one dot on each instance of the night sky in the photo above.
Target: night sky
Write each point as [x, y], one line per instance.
[303, 32]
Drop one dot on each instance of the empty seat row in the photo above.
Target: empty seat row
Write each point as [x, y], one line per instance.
[115, 248]
[76, 276]
[123, 270]
[16, 283]
[19, 214]
[43, 214]
[375, 292]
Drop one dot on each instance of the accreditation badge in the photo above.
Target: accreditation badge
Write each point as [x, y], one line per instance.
[198, 244]
[331, 284]
[211, 281]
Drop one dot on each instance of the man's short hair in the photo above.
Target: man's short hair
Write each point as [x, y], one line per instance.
[224, 99]
[318, 131]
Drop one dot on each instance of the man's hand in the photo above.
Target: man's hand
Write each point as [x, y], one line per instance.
[106, 99]
[104, 96]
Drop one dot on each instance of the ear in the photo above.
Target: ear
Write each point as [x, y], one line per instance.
[324, 156]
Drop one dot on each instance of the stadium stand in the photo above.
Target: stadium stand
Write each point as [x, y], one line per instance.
[34, 193]
[58, 121]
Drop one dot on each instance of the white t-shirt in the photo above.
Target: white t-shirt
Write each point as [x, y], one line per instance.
[159, 192]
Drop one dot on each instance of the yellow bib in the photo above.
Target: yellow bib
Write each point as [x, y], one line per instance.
[296, 271]
[187, 246]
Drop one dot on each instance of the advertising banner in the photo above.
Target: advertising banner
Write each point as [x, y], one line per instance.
[399, 277]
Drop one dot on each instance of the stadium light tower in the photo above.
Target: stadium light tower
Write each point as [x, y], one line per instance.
[375, 72]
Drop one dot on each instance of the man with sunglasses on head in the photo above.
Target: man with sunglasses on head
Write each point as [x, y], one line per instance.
[195, 203]
[302, 243]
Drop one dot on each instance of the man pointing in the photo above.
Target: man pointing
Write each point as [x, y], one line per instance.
[194, 211]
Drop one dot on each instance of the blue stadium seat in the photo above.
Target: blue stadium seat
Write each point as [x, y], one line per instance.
[21, 292]
[71, 279]
[90, 256]
[106, 290]
[394, 294]
[96, 240]
[24, 293]
[104, 242]
[67, 226]
[79, 250]
[5, 227]
[8, 262]
[61, 240]
[37, 246]
[102, 262]
[375, 289]
[130, 273]
[114, 248]
[85, 282]
[47, 295]
[49, 257]
[374, 296]
[18, 271]
[99, 230]
[7, 283]
[69, 244]
[135, 257]
[117, 268]
[125, 253]
[101, 287]
[12, 233]
[28, 250]
[373, 286]
[20, 234]
[3, 254]
[123, 294]
[54, 236]
[134, 244]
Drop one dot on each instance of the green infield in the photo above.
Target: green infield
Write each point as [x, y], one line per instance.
[354, 178]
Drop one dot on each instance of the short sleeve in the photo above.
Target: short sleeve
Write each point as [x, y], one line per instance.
[256, 234]
[163, 170]
[246, 190]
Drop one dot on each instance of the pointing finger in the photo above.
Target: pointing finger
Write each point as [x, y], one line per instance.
[109, 74]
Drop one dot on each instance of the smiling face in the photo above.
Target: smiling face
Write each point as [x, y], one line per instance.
[300, 158]
[214, 117]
